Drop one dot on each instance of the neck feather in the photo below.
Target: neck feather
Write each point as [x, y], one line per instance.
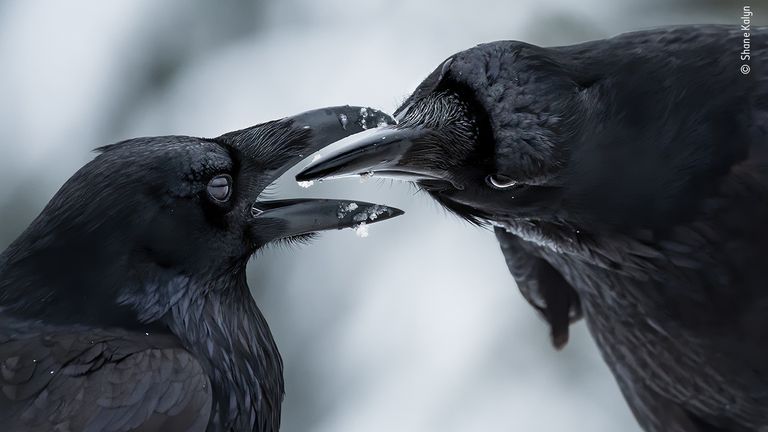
[229, 335]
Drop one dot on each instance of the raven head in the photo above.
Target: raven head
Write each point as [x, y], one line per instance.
[149, 211]
[587, 134]
[482, 132]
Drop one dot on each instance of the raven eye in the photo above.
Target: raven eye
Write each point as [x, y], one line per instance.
[500, 181]
[220, 187]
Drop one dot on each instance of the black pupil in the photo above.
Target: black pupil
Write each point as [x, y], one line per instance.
[219, 186]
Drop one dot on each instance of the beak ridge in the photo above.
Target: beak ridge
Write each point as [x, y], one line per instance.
[377, 151]
[325, 126]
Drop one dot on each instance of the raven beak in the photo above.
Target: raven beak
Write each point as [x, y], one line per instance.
[320, 127]
[294, 217]
[378, 152]
[332, 124]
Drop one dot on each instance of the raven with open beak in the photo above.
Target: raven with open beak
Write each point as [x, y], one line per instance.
[124, 306]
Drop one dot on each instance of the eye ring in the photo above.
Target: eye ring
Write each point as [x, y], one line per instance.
[219, 188]
[500, 181]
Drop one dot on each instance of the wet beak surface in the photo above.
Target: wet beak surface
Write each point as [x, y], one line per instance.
[378, 151]
[292, 217]
[332, 124]
[303, 216]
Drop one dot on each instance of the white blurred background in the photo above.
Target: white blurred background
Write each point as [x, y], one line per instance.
[418, 327]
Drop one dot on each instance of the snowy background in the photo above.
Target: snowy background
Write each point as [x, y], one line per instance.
[418, 327]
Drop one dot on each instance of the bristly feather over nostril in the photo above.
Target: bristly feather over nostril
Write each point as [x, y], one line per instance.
[454, 129]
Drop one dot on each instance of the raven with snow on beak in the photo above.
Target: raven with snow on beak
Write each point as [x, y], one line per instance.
[627, 182]
[124, 306]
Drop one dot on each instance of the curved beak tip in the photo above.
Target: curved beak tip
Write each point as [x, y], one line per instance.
[351, 213]
[370, 118]
[338, 122]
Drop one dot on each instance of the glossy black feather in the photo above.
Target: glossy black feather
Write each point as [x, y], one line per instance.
[124, 305]
[642, 163]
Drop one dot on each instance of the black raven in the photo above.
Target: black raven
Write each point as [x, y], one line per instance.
[627, 180]
[124, 306]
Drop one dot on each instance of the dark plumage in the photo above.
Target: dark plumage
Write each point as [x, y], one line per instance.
[124, 306]
[627, 180]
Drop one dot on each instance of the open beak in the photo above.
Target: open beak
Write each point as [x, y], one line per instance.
[377, 152]
[292, 217]
[302, 216]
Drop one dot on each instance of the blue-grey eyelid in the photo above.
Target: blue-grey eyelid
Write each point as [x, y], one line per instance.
[220, 180]
[215, 185]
